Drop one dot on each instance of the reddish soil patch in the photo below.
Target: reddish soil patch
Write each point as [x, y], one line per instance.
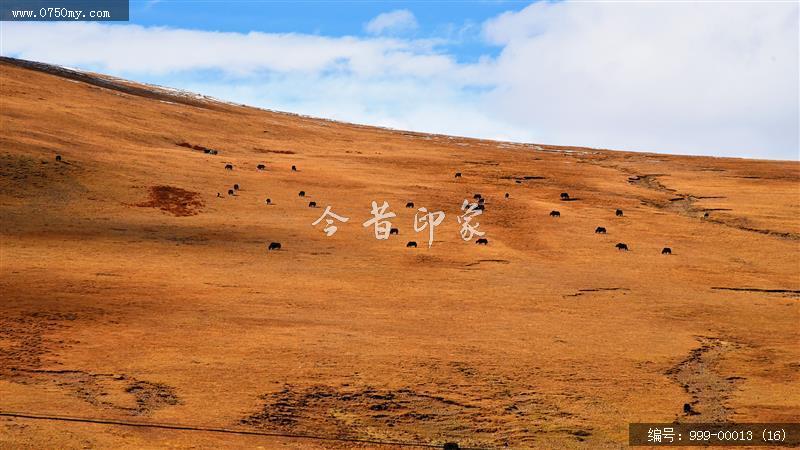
[176, 201]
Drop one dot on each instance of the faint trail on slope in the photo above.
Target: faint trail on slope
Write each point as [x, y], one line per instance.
[683, 203]
[699, 376]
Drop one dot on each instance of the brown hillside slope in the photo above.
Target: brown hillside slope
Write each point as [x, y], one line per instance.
[131, 292]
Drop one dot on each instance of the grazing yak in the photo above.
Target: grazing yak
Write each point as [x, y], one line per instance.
[228, 166]
[411, 244]
[621, 246]
[506, 194]
[458, 174]
[394, 231]
[231, 192]
[236, 187]
[294, 168]
[601, 230]
[618, 213]
[219, 195]
[58, 158]
[481, 201]
[274, 246]
[482, 241]
[564, 196]
[410, 205]
[705, 215]
[268, 201]
[261, 167]
[312, 204]
[666, 251]
[555, 214]
[477, 196]
[302, 193]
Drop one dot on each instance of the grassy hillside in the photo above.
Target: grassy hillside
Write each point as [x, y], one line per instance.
[132, 292]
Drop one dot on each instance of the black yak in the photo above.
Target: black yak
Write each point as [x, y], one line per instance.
[621, 246]
[236, 186]
[555, 214]
[601, 230]
[458, 174]
[302, 193]
[58, 158]
[228, 166]
[506, 194]
[618, 213]
[482, 241]
[268, 201]
[294, 168]
[231, 192]
[666, 251]
[410, 205]
[274, 246]
[564, 196]
[411, 244]
[394, 231]
[312, 204]
[261, 167]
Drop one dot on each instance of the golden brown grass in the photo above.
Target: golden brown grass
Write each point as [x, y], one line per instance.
[547, 337]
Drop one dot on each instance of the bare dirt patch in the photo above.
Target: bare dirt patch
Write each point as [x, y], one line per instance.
[649, 181]
[480, 261]
[173, 200]
[700, 377]
[23, 338]
[200, 148]
[597, 290]
[24, 176]
[280, 152]
[117, 392]
[792, 293]
[500, 418]
[28, 344]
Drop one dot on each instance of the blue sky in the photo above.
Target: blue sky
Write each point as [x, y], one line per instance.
[311, 17]
[458, 22]
[688, 78]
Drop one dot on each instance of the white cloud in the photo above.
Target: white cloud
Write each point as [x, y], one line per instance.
[396, 21]
[157, 50]
[702, 78]
[707, 78]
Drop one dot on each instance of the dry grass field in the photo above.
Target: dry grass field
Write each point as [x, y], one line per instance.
[132, 292]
